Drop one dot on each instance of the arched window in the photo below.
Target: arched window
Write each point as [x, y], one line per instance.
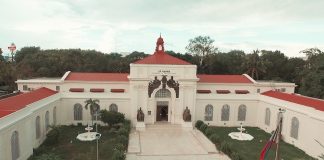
[209, 112]
[267, 117]
[38, 129]
[47, 120]
[294, 128]
[241, 113]
[54, 116]
[113, 107]
[225, 112]
[77, 112]
[15, 146]
[163, 93]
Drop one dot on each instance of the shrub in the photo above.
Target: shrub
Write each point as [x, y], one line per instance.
[118, 155]
[226, 148]
[122, 139]
[203, 127]
[47, 156]
[235, 156]
[52, 136]
[123, 131]
[209, 131]
[120, 147]
[111, 117]
[214, 138]
[198, 124]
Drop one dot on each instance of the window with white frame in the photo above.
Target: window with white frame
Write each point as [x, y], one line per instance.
[225, 112]
[209, 112]
[113, 107]
[38, 127]
[15, 152]
[294, 128]
[77, 109]
[241, 113]
[163, 93]
[267, 117]
[47, 120]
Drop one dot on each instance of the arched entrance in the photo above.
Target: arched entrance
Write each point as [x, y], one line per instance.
[162, 97]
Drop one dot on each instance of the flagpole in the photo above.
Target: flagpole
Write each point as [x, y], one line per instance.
[279, 133]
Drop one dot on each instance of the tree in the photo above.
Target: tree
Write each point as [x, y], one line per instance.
[254, 64]
[201, 47]
[1, 57]
[93, 105]
[312, 83]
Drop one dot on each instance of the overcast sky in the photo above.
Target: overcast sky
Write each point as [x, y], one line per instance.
[126, 26]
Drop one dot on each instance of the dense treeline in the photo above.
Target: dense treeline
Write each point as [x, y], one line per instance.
[308, 74]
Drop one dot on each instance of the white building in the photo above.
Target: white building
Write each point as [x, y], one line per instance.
[162, 86]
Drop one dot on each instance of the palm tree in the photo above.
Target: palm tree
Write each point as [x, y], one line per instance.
[93, 105]
[254, 64]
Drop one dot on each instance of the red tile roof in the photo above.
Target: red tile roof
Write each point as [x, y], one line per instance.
[203, 78]
[77, 76]
[161, 57]
[15, 103]
[294, 98]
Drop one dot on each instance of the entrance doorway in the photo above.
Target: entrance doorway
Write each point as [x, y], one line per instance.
[162, 113]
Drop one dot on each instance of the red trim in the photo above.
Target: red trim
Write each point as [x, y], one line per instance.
[205, 78]
[76, 89]
[117, 90]
[203, 91]
[242, 91]
[298, 99]
[223, 91]
[97, 90]
[77, 76]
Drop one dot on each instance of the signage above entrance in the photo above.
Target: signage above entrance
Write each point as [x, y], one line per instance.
[163, 72]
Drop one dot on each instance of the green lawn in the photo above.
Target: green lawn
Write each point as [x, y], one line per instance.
[250, 150]
[70, 148]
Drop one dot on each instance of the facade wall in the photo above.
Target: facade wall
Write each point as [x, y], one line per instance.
[24, 122]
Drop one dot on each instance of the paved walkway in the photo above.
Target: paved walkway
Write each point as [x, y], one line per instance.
[171, 142]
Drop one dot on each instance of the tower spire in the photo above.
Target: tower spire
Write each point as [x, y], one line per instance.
[159, 45]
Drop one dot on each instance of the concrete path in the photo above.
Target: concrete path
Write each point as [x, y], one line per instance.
[171, 142]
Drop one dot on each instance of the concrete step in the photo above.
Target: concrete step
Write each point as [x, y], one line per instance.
[178, 157]
[204, 141]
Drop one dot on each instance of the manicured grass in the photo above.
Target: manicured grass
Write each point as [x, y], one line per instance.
[250, 150]
[70, 148]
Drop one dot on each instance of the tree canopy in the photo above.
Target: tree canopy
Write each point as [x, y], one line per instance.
[307, 73]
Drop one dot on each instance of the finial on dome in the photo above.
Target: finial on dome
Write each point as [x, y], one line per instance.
[159, 44]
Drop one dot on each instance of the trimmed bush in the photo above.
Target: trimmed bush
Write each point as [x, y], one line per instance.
[112, 118]
[120, 147]
[48, 156]
[226, 148]
[209, 131]
[203, 127]
[235, 156]
[122, 139]
[118, 155]
[52, 136]
[215, 138]
[198, 124]
[122, 131]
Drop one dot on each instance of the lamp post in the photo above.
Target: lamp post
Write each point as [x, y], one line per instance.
[12, 48]
[97, 134]
[281, 111]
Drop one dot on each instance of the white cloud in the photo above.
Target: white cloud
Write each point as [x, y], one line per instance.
[124, 26]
